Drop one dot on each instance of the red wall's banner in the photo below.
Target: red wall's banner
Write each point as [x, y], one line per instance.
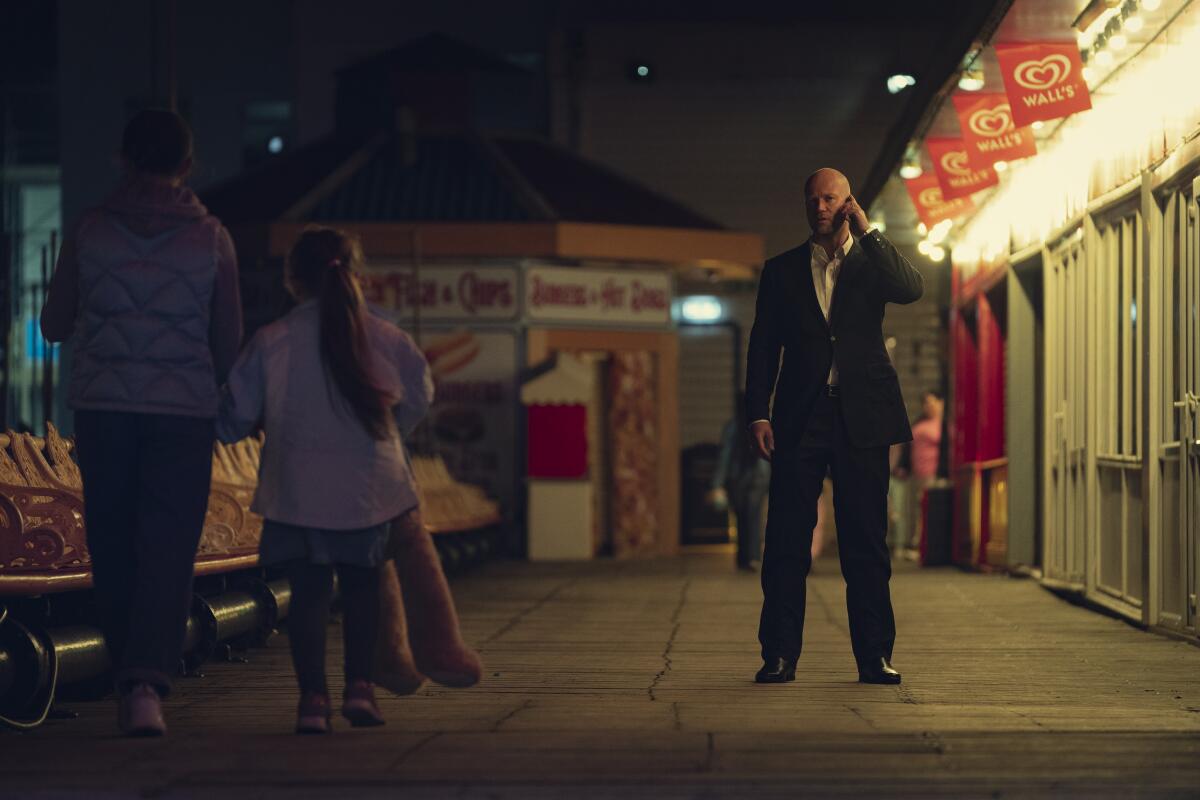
[955, 174]
[988, 129]
[1044, 80]
[932, 208]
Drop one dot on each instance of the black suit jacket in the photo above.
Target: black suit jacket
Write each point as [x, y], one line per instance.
[788, 318]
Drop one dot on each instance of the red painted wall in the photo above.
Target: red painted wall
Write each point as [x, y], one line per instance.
[990, 438]
[966, 391]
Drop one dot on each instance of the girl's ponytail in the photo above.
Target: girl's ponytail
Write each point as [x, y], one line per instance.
[321, 265]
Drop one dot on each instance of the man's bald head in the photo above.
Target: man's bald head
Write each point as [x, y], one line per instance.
[827, 177]
[824, 193]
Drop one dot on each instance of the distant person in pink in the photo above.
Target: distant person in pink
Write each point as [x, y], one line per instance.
[924, 453]
[927, 437]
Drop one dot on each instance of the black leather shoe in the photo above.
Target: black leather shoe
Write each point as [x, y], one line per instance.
[776, 670]
[878, 671]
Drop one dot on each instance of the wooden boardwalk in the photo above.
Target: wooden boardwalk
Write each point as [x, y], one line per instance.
[634, 680]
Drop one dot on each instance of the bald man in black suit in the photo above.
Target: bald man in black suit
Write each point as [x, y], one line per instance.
[837, 407]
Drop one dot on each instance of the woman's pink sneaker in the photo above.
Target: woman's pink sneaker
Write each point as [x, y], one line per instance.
[312, 716]
[140, 712]
[359, 705]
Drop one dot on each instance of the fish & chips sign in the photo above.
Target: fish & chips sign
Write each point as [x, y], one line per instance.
[444, 292]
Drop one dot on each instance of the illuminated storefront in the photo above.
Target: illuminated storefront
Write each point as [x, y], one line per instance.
[1076, 340]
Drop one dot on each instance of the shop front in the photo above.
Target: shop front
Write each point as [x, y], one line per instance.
[1076, 346]
[490, 326]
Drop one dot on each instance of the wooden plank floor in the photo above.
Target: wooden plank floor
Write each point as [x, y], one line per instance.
[634, 679]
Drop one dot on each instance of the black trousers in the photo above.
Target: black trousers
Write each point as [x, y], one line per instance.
[860, 486]
[146, 479]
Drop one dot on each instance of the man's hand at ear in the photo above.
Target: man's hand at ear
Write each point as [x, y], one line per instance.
[852, 212]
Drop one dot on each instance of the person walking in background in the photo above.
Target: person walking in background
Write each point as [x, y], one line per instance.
[925, 452]
[837, 405]
[899, 481]
[899, 486]
[741, 479]
[328, 382]
[146, 289]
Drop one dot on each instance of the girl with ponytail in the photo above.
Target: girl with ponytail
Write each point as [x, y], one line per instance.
[335, 388]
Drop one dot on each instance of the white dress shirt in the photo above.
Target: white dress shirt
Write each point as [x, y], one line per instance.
[825, 271]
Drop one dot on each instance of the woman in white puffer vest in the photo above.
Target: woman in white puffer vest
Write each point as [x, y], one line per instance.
[146, 290]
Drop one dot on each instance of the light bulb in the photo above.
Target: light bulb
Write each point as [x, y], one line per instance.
[1117, 41]
[924, 247]
[911, 170]
[921, 229]
[971, 80]
[1151, 5]
[899, 82]
[1000, 166]
[1134, 24]
[1104, 58]
[937, 253]
[701, 309]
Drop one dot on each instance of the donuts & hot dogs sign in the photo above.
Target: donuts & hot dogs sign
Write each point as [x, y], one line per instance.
[563, 294]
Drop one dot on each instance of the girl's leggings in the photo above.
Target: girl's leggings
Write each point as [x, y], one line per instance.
[312, 590]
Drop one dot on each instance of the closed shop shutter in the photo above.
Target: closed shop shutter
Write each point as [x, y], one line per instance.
[707, 382]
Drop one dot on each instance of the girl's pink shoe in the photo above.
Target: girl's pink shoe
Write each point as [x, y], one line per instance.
[359, 705]
[313, 714]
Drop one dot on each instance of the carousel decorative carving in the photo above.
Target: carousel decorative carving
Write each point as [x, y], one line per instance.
[42, 536]
[230, 527]
[43, 543]
[446, 504]
[41, 506]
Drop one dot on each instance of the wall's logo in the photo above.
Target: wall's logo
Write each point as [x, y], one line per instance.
[955, 163]
[992, 121]
[931, 197]
[1038, 75]
[929, 200]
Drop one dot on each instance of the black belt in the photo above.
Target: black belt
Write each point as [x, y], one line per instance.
[833, 390]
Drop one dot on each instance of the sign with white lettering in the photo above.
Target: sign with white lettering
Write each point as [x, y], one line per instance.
[563, 294]
[444, 293]
[952, 164]
[1044, 80]
[932, 208]
[988, 129]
